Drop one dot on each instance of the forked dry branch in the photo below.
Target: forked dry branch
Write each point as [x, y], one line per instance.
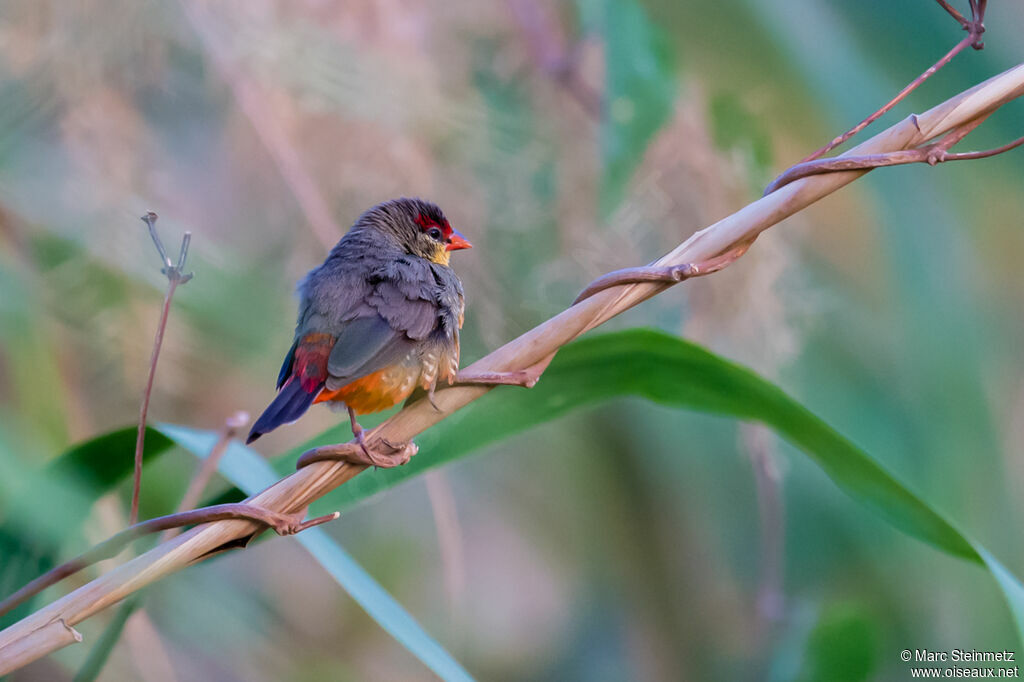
[975, 27]
[176, 276]
[52, 626]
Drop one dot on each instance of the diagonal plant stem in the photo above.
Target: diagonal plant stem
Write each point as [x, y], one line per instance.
[671, 275]
[281, 523]
[208, 467]
[974, 27]
[99, 654]
[104, 646]
[271, 133]
[48, 628]
[175, 277]
[932, 154]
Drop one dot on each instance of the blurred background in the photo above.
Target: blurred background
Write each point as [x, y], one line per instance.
[565, 140]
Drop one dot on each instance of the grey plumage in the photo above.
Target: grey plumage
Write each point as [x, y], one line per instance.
[383, 306]
[384, 303]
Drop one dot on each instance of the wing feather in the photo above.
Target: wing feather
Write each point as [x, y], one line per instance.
[381, 317]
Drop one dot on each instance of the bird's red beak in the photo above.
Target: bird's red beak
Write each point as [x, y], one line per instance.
[457, 241]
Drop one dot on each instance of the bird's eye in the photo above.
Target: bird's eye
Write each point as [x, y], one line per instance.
[434, 233]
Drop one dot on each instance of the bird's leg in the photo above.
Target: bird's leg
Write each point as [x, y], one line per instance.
[363, 454]
[358, 432]
[670, 274]
[430, 396]
[360, 452]
[360, 435]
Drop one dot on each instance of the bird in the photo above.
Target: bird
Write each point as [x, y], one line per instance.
[378, 319]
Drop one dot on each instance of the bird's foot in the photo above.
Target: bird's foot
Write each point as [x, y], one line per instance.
[382, 454]
[360, 436]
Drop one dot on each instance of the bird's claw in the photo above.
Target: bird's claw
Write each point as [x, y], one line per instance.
[430, 398]
[398, 454]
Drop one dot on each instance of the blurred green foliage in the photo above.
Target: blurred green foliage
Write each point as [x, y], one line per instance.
[734, 127]
[37, 534]
[245, 469]
[639, 89]
[623, 542]
[843, 646]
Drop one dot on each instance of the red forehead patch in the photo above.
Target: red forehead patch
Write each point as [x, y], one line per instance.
[426, 222]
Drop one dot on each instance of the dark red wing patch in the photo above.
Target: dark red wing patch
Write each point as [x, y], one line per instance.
[311, 356]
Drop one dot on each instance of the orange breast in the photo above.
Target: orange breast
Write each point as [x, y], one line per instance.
[375, 392]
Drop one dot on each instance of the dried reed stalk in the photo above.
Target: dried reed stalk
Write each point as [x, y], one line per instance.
[51, 627]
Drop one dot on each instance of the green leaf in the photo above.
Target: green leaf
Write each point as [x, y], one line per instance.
[670, 371]
[843, 646]
[35, 531]
[1008, 582]
[638, 93]
[643, 363]
[248, 470]
[104, 461]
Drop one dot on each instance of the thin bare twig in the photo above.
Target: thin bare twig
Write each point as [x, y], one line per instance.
[175, 277]
[282, 524]
[975, 27]
[207, 467]
[670, 275]
[101, 651]
[38, 634]
[932, 154]
[967, 156]
[185, 516]
[961, 19]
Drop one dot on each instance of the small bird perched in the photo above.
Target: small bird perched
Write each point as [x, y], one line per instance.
[378, 319]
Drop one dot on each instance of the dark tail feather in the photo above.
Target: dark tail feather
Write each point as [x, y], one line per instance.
[290, 404]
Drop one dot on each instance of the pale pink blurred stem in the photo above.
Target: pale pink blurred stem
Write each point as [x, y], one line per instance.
[152, 662]
[757, 440]
[546, 42]
[208, 467]
[274, 138]
[449, 538]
